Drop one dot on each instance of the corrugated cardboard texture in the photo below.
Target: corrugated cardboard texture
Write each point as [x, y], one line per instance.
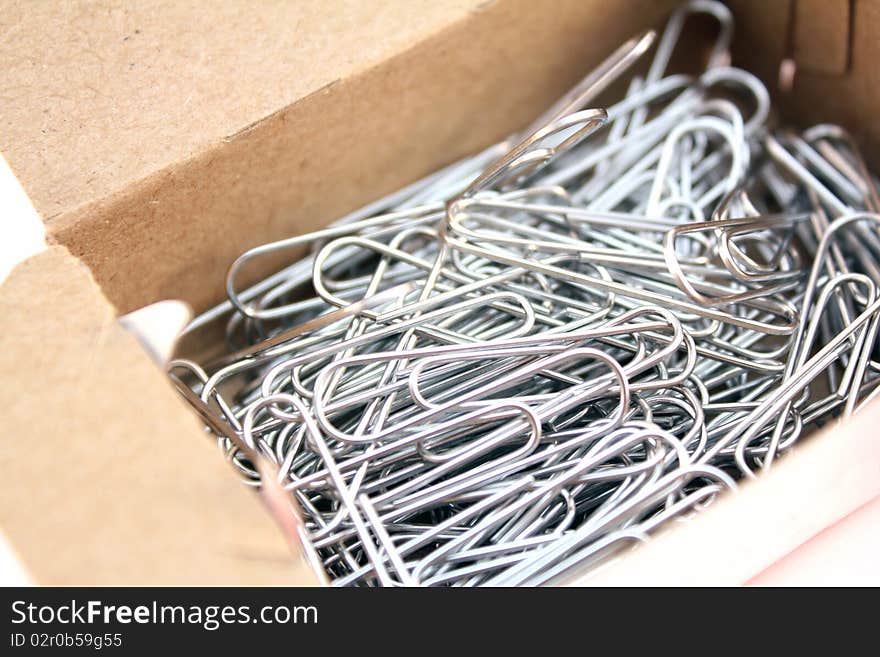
[160, 140]
[107, 477]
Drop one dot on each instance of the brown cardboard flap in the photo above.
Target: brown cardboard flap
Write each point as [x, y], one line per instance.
[107, 477]
[160, 140]
[102, 94]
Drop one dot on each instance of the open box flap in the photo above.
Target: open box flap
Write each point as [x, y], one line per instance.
[159, 140]
[107, 476]
[125, 89]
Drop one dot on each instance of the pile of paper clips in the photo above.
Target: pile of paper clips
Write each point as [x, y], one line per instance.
[538, 355]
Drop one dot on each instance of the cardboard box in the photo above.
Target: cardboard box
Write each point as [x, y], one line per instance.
[158, 140]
